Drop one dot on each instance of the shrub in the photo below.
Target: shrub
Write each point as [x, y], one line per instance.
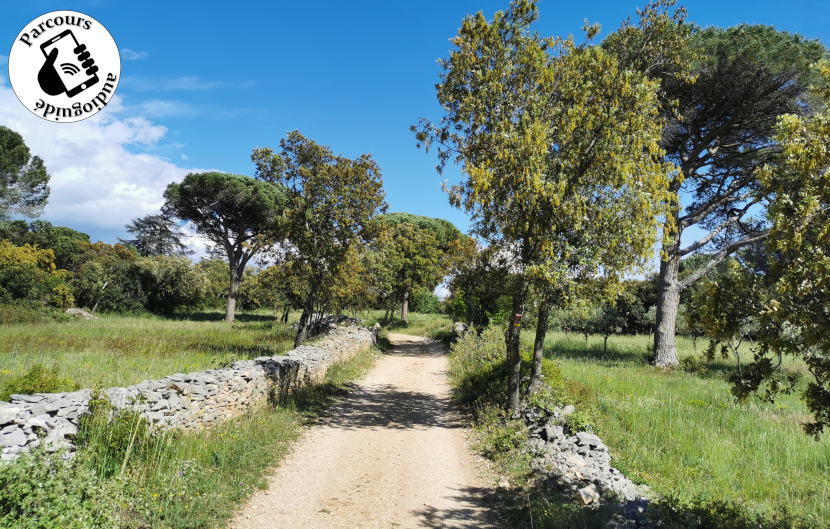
[172, 283]
[29, 273]
[41, 491]
[16, 313]
[425, 302]
[106, 278]
[38, 379]
[478, 368]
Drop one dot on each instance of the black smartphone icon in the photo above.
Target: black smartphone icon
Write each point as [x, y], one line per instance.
[70, 70]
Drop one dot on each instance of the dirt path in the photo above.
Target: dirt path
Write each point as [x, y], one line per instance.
[392, 454]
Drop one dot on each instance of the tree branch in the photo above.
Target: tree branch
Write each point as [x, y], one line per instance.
[714, 233]
[719, 257]
[693, 218]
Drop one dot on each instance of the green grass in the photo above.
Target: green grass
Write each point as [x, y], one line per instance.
[684, 434]
[435, 326]
[123, 350]
[175, 480]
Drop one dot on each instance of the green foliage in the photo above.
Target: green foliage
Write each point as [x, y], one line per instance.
[795, 317]
[20, 312]
[172, 283]
[64, 242]
[728, 309]
[105, 277]
[41, 491]
[28, 273]
[719, 107]
[240, 215]
[478, 368]
[39, 379]
[23, 179]
[426, 302]
[217, 272]
[332, 205]
[417, 262]
[480, 285]
[559, 147]
[444, 231]
[156, 235]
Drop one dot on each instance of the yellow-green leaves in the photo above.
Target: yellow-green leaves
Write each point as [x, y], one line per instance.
[799, 244]
[553, 138]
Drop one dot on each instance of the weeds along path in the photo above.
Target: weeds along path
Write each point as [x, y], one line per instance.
[391, 454]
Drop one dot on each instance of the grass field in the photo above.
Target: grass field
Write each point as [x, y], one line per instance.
[123, 350]
[686, 436]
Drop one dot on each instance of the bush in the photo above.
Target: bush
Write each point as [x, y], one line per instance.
[478, 368]
[38, 379]
[426, 302]
[28, 273]
[41, 491]
[106, 278]
[172, 283]
[16, 313]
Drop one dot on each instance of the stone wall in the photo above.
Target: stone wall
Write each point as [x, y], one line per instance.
[186, 401]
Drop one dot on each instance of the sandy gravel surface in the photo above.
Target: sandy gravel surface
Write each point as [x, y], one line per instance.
[392, 454]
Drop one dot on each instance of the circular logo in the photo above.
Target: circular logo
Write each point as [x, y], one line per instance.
[64, 66]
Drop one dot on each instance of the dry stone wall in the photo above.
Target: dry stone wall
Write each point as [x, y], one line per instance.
[185, 401]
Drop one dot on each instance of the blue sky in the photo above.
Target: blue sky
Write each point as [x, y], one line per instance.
[205, 82]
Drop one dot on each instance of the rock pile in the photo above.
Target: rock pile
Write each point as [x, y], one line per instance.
[579, 466]
[186, 401]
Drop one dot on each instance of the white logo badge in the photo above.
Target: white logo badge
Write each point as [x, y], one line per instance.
[64, 66]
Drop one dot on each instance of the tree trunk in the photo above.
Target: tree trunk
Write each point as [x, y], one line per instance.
[539, 346]
[386, 316]
[284, 318]
[512, 339]
[308, 311]
[405, 308]
[605, 344]
[232, 292]
[668, 301]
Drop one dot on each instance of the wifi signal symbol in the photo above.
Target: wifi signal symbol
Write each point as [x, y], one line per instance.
[69, 68]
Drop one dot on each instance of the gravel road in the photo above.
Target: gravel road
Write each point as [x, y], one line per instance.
[393, 454]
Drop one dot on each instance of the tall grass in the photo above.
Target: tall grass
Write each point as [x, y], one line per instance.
[685, 435]
[123, 350]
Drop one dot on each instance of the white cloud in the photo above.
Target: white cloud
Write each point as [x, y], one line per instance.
[184, 156]
[158, 108]
[95, 180]
[130, 55]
